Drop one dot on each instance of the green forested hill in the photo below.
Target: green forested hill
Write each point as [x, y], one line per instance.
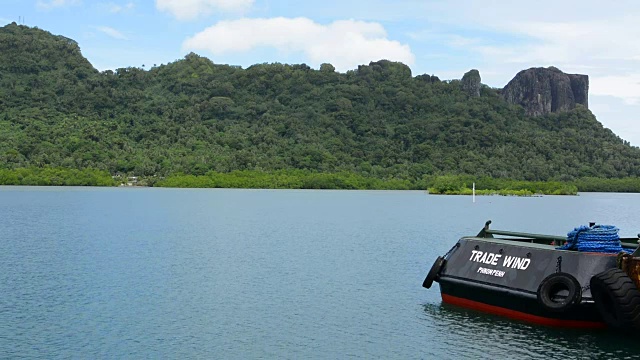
[193, 116]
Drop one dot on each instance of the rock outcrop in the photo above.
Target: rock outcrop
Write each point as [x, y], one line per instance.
[385, 70]
[471, 83]
[428, 78]
[547, 90]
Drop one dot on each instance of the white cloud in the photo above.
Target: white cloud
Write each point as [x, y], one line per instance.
[581, 41]
[345, 44]
[496, 13]
[191, 9]
[578, 36]
[116, 8]
[600, 47]
[625, 87]
[454, 40]
[112, 32]
[48, 5]
[620, 116]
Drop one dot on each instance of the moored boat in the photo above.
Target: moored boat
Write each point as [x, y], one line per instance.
[588, 281]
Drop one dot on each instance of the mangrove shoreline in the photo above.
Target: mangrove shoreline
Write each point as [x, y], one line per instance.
[304, 179]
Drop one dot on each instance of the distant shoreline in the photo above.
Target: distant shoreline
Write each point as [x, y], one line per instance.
[304, 179]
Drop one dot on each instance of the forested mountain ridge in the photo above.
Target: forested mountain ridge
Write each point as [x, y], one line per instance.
[192, 116]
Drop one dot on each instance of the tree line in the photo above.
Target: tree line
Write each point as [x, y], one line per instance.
[195, 118]
[306, 179]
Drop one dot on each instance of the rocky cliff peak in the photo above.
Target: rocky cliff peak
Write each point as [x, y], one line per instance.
[471, 83]
[547, 90]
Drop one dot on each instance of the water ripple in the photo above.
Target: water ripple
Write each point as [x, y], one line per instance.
[171, 273]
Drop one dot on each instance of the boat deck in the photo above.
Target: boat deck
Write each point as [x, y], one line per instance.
[516, 242]
[538, 240]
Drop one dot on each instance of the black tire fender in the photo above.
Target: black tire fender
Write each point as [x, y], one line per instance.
[434, 273]
[617, 299]
[555, 283]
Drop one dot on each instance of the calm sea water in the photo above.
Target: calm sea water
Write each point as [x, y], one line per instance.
[211, 273]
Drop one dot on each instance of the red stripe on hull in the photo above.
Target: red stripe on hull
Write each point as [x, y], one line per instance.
[517, 315]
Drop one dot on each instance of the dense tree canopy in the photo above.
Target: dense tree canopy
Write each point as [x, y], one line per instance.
[193, 116]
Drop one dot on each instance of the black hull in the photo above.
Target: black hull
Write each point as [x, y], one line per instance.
[491, 283]
[518, 306]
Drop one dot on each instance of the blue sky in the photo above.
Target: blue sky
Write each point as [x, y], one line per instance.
[445, 38]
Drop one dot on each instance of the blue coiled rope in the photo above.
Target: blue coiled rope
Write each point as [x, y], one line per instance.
[598, 238]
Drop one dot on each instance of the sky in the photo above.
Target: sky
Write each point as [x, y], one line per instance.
[445, 38]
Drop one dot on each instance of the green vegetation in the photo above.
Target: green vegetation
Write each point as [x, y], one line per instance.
[627, 184]
[196, 123]
[462, 185]
[55, 177]
[285, 179]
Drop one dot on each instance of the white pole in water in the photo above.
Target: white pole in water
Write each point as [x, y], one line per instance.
[474, 192]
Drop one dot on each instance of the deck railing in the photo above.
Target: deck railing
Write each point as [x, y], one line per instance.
[629, 243]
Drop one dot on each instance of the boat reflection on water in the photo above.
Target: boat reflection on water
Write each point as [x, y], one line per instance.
[467, 333]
